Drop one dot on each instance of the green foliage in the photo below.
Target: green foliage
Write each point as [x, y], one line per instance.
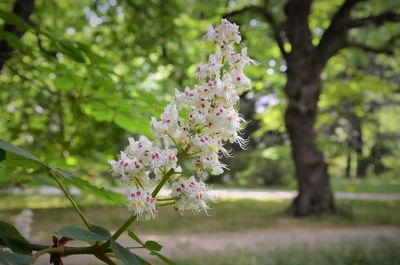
[125, 255]
[83, 235]
[88, 74]
[9, 258]
[82, 184]
[10, 236]
[153, 246]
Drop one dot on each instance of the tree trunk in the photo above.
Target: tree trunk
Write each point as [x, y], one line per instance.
[303, 88]
[348, 162]
[361, 165]
[23, 9]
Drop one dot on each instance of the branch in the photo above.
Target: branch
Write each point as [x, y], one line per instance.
[378, 20]
[246, 9]
[297, 26]
[66, 193]
[387, 48]
[335, 35]
[366, 48]
[268, 17]
[276, 28]
[23, 9]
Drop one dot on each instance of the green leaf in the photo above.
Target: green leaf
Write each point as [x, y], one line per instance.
[100, 193]
[15, 20]
[78, 233]
[135, 237]
[125, 255]
[19, 152]
[152, 245]
[163, 258]
[68, 48]
[13, 239]
[8, 258]
[3, 155]
[100, 231]
[64, 83]
[11, 39]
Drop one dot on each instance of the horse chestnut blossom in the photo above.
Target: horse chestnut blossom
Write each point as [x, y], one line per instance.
[211, 121]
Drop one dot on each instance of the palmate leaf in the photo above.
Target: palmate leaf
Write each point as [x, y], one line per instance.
[81, 234]
[9, 148]
[9, 258]
[13, 239]
[20, 157]
[99, 193]
[100, 231]
[3, 155]
[127, 257]
[163, 258]
[152, 246]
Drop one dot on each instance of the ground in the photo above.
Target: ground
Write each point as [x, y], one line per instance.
[242, 231]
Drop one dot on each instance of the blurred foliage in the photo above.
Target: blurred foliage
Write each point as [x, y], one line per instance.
[87, 74]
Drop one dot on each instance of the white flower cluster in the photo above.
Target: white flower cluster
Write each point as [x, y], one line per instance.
[212, 120]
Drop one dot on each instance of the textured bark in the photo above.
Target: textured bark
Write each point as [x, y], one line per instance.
[303, 89]
[23, 9]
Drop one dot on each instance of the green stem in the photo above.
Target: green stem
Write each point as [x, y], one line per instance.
[162, 182]
[167, 199]
[156, 190]
[167, 203]
[54, 175]
[124, 227]
[221, 71]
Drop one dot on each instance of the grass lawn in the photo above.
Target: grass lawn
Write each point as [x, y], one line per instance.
[347, 253]
[52, 213]
[367, 185]
[384, 186]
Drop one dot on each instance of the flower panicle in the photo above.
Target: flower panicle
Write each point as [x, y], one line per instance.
[212, 120]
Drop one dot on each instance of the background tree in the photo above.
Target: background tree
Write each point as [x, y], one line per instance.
[306, 60]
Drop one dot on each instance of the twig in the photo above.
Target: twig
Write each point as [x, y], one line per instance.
[66, 193]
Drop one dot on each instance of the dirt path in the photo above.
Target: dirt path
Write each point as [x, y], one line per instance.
[255, 194]
[253, 240]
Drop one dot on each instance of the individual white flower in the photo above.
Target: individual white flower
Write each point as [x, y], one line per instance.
[126, 168]
[184, 97]
[224, 34]
[140, 149]
[142, 203]
[24, 222]
[202, 71]
[210, 163]
[241, 82]
[207, 144]
[245, 60]
[171, 129]
[226, 93]
[192, 195]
